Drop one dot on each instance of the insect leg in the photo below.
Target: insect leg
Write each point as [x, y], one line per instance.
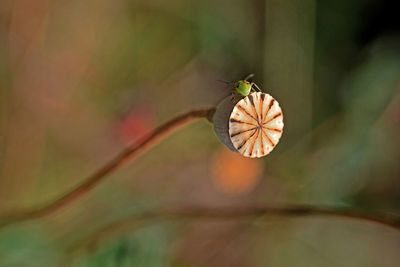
[258, 88]
[232, 97]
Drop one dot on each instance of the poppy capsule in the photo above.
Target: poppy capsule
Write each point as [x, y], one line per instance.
[252, 126]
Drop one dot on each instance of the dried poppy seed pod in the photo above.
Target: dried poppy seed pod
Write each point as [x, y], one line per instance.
[251, 126]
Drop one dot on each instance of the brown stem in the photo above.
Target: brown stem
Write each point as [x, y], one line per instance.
[90, 182]
[234, 213]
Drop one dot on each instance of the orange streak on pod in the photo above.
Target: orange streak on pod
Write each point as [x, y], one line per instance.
[256, 125]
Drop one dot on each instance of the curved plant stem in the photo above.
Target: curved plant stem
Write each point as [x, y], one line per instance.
[130, 153]
[233, 213]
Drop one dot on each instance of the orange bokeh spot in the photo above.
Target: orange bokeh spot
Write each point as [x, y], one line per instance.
[234, 174]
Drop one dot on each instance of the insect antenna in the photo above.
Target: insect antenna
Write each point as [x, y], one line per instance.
[230, 84]
[225, 82]
[251, 75]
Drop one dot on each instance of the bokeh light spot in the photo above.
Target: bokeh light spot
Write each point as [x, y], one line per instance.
[234, 174]
[137, 123]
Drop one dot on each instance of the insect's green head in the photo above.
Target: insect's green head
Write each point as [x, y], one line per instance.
[243, 87]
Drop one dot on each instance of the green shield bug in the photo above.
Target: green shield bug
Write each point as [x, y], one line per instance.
[243, 87]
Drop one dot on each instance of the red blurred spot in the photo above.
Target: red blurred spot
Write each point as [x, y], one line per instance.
[138, 122]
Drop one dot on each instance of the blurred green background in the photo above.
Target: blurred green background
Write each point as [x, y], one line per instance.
[79, 80]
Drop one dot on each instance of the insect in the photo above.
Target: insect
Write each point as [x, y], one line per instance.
[250, 122]
[243, 88]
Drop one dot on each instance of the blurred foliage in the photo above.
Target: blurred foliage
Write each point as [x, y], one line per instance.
[81, 79]
[146, 247]
[28, 246]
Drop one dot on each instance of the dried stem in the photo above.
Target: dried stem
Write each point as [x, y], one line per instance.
[126, 155]
[233, 213]
[149, 141]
